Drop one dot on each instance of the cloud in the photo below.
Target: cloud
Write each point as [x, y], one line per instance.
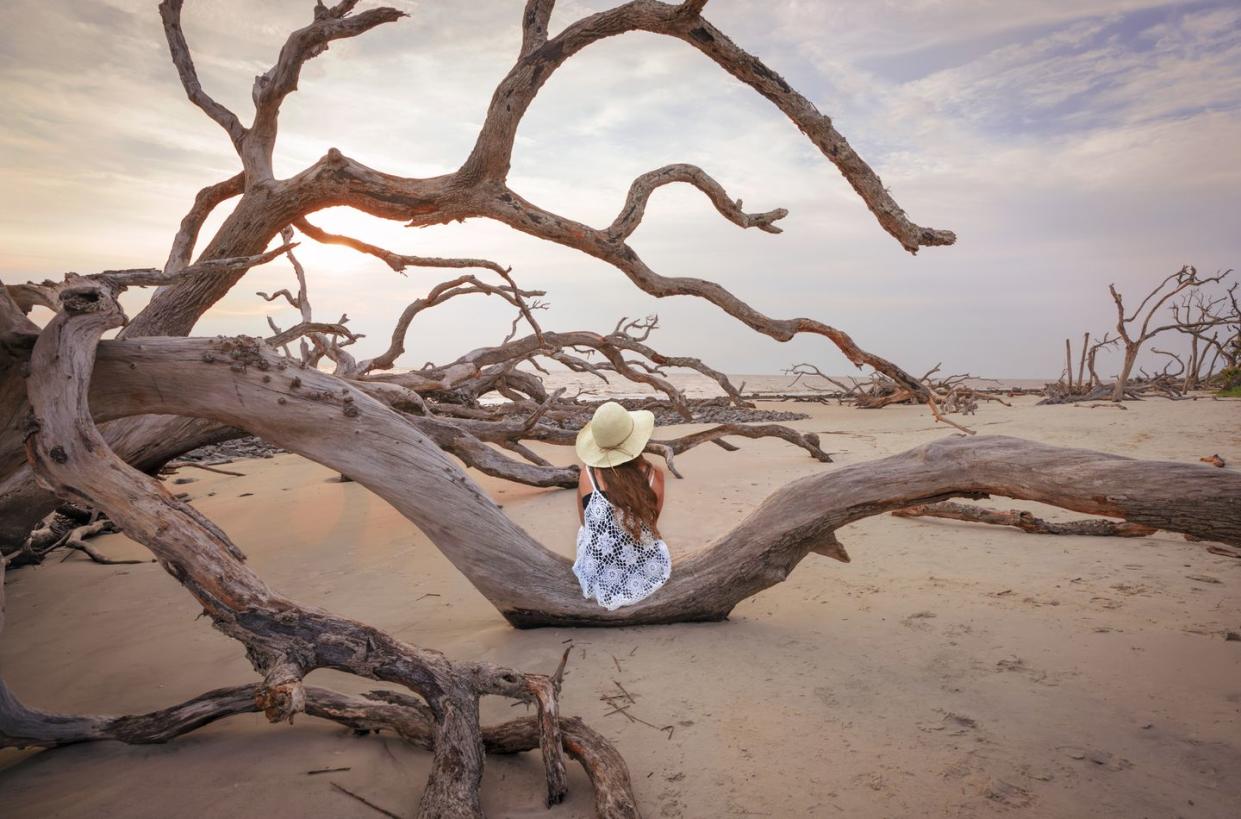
[1068, 144]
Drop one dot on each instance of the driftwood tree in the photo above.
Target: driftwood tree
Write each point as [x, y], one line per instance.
[284, 641]
[1088, 386]
[265, 205]
[1087, 353]
[1209, 320]
[943, 394]
[158, 393]
[1213, 325]
[1140, 326]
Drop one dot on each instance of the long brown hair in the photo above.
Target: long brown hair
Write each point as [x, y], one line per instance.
[628, 488]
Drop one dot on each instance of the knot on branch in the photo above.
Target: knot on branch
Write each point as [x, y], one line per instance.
[84, 297]
[30, 426]
[765, 221]
[693, 8]
[243, 352]
[284, 699]
[932, 237]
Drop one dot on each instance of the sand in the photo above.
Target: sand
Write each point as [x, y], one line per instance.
[951, 670]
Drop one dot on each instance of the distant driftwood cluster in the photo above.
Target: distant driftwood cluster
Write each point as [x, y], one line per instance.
[89, 421]
[1202, 309]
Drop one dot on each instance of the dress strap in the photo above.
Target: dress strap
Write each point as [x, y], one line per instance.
[590, 473]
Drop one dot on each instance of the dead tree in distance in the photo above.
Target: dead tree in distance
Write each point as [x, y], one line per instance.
[1135, 329]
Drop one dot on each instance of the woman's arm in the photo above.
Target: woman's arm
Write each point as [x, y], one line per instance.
[583, 489]
[657, 483]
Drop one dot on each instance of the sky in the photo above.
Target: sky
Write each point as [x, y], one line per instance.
[1070, 144]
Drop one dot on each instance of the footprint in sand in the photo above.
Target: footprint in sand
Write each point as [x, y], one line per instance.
[1104, 759]
[1018, 665]
[955, 724]
[917, 620]
[971, 771]
[1008, 794]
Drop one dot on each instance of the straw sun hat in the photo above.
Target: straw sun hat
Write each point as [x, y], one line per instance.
[614, 435]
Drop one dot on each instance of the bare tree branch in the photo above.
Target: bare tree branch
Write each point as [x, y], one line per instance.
[207, 200]
[442, 292]
[640, 191]
[534, 25]
[1184, 279]
[396, 261]
[492, 152]
[1025, 521]
[170, 11]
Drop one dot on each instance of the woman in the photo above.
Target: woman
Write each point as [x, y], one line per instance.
[620, 556]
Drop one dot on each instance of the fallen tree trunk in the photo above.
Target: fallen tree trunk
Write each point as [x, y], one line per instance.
[1024, 521]
[147, 444]
[410, 719]
[407, 717]
[329, 421]
[283, 640]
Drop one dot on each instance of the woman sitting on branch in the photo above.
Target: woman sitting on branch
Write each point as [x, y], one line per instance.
[620, 556]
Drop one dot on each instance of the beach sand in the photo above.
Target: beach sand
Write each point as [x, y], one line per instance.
[951, 670]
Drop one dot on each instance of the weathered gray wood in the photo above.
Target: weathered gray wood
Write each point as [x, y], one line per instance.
[533, 586]
[1184, 279]
[1025, 521]
[283, 641]
[477, 188]
[265, 205]
[407, 717]
[239, 382]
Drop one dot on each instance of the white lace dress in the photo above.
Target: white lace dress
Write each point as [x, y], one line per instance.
[611, 565]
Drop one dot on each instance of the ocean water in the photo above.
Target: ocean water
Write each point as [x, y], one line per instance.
[697, 385]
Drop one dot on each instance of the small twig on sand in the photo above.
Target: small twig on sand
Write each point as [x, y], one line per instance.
[628, 696]
[179, 464]
[623, 710]
[97, 556]
[366, 802]
[651, 725]
[326, 770]
[558, 677]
